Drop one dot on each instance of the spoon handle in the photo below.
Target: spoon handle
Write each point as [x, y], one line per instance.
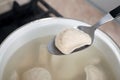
[115, 12]
[108, 17]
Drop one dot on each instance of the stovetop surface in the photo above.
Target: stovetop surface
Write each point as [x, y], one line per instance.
[20, 15]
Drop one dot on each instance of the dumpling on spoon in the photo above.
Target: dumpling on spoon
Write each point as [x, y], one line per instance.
[70, 39]
[36, 73]
[94, 73]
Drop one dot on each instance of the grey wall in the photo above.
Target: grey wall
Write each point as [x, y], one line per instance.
[105, 5]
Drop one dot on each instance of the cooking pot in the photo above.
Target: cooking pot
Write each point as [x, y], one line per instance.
[51, 26]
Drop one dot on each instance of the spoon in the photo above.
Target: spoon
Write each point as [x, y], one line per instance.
[89, 30]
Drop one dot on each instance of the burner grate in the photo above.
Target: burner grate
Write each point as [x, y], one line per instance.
[20, 15]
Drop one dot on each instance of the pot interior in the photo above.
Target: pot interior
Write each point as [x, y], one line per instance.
[39, 33]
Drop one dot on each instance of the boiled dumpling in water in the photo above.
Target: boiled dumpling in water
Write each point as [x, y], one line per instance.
[14, 76]
[94, 73]
[70, 39]
[36, 74]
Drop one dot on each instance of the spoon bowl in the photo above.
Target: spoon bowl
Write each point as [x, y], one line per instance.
[88, 30]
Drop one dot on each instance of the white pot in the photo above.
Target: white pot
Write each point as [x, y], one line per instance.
[51, 26]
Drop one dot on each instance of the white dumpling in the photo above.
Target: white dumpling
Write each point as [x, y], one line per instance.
[94, 73]
[14, 76]
[70, 39]
[36, 74]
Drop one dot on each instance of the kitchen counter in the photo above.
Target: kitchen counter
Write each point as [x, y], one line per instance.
[83, 11]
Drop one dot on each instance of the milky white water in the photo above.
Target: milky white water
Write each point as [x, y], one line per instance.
[68, 67]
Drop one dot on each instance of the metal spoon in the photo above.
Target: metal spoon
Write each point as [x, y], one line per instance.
[89, 30]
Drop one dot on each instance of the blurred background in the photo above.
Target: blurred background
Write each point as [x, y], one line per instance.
[15, 13]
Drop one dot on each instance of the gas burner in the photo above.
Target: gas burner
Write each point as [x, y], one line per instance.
[20, 15]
